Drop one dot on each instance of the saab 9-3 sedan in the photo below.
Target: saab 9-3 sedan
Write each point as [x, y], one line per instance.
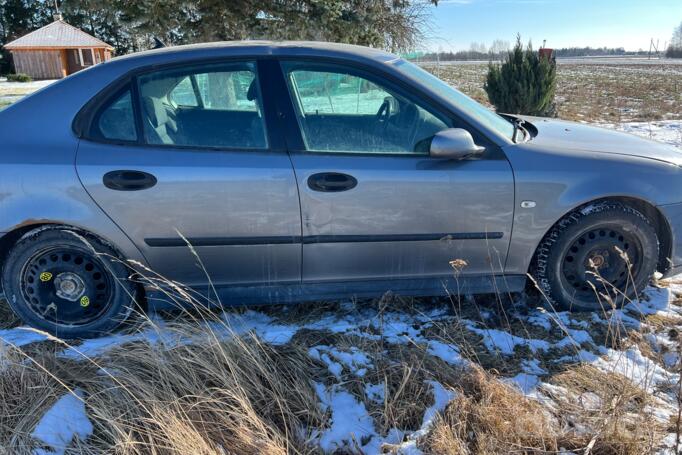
[309, 171]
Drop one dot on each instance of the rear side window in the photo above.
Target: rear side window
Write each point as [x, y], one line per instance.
[203, 106]
[116, 121]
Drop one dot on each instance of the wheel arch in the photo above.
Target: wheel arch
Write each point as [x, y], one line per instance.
[10, 238]
[650, 211]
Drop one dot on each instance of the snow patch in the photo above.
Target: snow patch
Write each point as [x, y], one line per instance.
[654, 301]
[62, 423]
[524, 381]
[375, 392]
[575, 338]
[667, 131]
[505, 342]
[262, 325]
[446, 352]
[335, 359]
[349, 420]
[20, 336]
[640, 370]
[441, 398]
[532, 366]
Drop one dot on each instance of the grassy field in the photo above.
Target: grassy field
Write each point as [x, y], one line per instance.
[593, 91]
[11, 92]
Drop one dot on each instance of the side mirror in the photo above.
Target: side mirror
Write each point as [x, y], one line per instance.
[454, 143]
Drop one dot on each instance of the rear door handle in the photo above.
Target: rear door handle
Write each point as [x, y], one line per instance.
[126, 180]
[331, 182]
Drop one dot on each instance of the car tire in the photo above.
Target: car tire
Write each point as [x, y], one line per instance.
[67, 283]
[584, 246]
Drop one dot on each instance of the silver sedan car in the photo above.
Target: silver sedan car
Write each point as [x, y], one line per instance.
[305, 171]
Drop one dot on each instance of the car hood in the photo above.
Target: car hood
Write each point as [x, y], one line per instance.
[558, 134]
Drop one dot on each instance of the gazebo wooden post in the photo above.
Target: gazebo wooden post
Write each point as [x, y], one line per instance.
[65, 62]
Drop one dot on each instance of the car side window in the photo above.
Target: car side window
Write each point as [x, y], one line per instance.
[116, 121]
[341, 110]
[327, 92]
[205, 106]
[183, 94]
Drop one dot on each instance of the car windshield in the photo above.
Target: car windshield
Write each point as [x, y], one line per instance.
[466, 104]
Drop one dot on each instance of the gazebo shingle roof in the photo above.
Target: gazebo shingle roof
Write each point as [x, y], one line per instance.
[59, 35]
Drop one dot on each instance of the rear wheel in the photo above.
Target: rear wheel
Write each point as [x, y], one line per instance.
[605, 248]
[67, 283]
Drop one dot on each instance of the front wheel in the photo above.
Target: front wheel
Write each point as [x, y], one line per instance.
[66, 283]
[607, 248]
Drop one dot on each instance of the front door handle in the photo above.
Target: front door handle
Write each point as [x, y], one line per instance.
[126, 180]
[331, 182]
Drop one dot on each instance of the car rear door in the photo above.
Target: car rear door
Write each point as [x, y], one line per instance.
[201, 163]
[374, 204]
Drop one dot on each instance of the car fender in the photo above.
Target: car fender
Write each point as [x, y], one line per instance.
[549, 184]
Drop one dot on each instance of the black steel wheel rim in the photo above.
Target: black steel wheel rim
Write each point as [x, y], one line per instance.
[605, 257]
[66, 286]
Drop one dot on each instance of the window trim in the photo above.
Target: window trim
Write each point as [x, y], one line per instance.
[284, 135]
[197, 91]
[82, 61]
[294, 135]
[95, 130]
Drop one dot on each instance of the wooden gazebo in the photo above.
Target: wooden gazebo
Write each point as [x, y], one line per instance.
[57, 50]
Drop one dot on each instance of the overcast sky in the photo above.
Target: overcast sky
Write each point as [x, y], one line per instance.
[563, 23]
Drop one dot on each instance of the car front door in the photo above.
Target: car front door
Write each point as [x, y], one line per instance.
[374, 204]
[200, 166]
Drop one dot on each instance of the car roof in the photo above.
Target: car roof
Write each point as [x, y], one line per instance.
[259, 48]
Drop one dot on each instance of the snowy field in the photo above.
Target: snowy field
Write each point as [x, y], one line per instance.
[11, 92]
[526, 344]
[667, 131]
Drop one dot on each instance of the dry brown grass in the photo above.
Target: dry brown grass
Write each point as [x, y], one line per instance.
[204, 390]
[242, 396]
[29, 385]
[7, 317]
[210, 396]
[490, 417]
[207, 397]
[611, 406]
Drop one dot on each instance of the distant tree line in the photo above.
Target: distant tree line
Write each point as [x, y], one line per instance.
[675, 48]
[458, 56]
[477, 51]
[589, 51]
[130, 25]
[477, 54]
